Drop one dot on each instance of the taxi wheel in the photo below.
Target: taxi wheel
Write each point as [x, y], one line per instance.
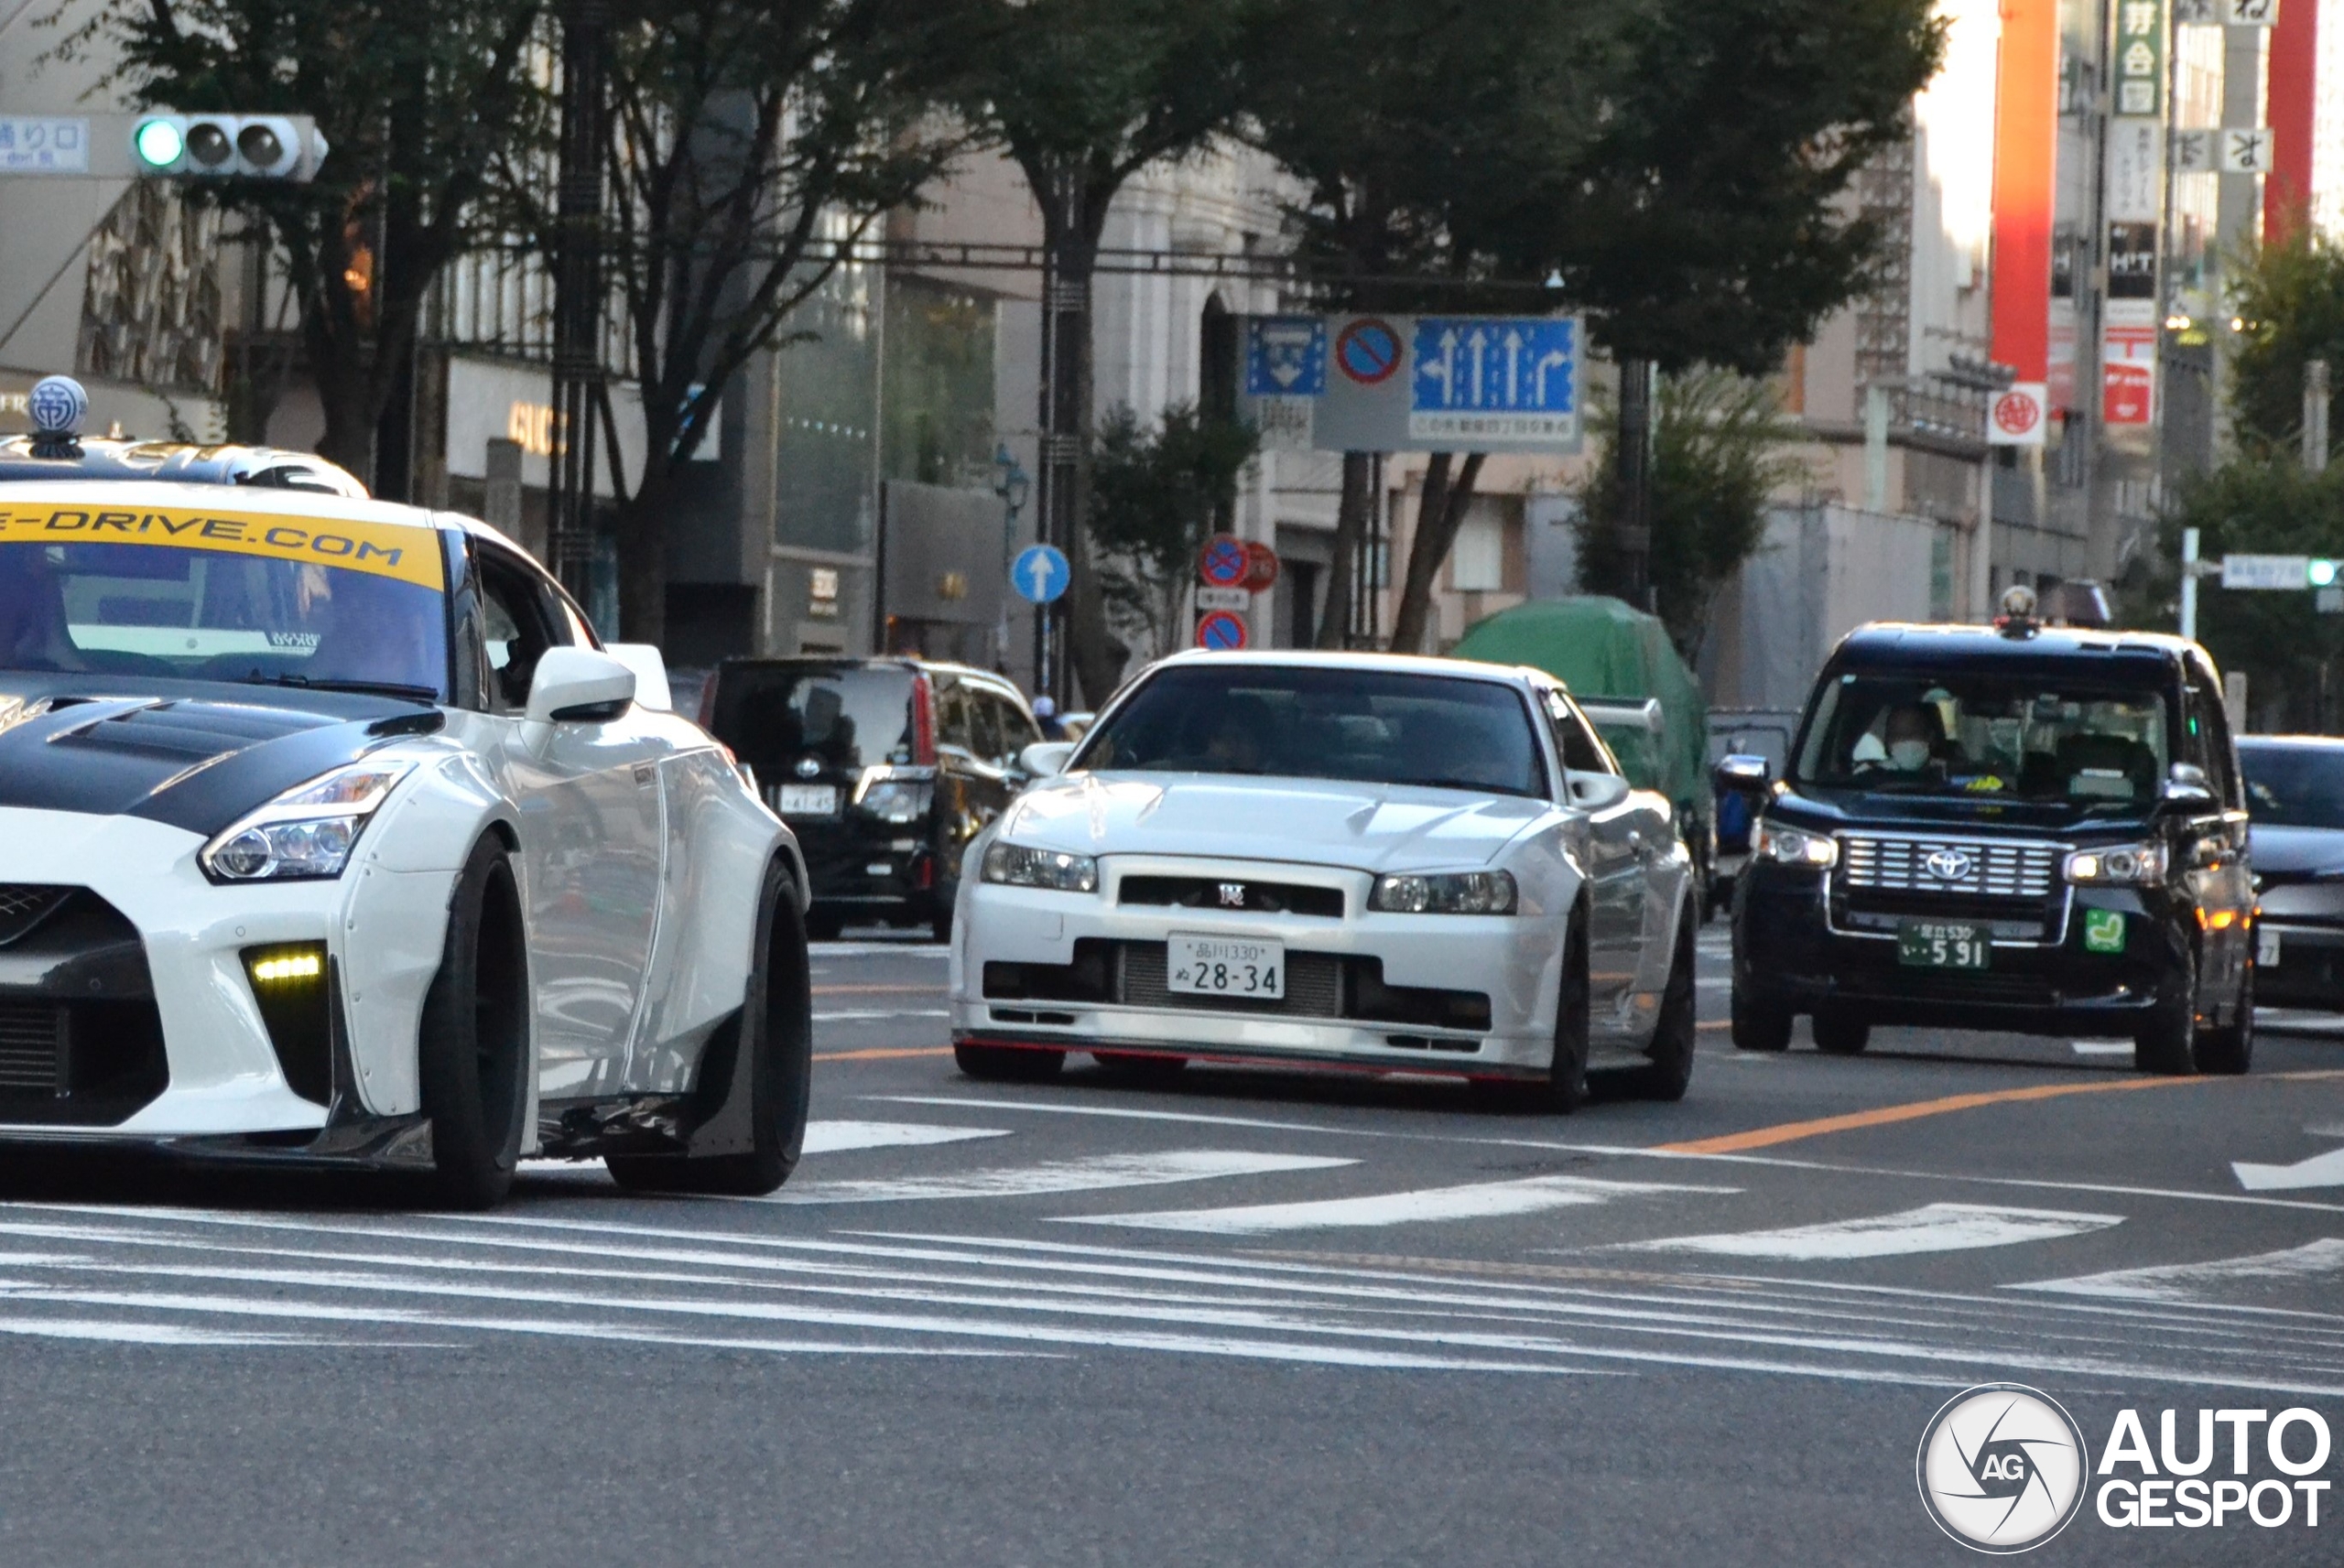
[1008, 1064]
[473, 1050]
[1137, 1067]
[2229, 1049]
[1840, 1033]
[2167, 1043]
[1759, 1025]
[1671, 1072]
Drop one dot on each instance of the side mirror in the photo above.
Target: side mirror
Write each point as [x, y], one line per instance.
[1596, 792]
[578, 685]
[650, 674]
[2187, 784]
[1046, 759]
[1741, 768]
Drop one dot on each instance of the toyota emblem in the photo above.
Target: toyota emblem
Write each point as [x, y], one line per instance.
[1947, 865]
[808, 767]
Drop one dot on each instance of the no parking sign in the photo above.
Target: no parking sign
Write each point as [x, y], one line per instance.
[1222, 631]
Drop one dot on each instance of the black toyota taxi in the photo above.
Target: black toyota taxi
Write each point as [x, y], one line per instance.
[2014, 827]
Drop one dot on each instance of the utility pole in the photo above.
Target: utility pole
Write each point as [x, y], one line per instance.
[1635, 527]
[1066, 349]
[2315, 416]
[577, 293]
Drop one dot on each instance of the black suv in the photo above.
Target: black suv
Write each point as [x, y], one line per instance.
[885, 768]
[2015, 828]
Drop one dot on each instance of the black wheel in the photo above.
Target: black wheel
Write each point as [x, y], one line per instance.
[1760, 1025]
[472, 1052]
[2167, 1043]
[2229, 1049]
[1009, 1063]
[1138, 1068]
[1671, 1071]
[775, 1028]
[1563, 1089]
[823, 924]
[1839, 1034]
[939, 923]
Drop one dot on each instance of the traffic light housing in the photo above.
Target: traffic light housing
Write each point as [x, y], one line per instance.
[227, 147]
[2319, 572]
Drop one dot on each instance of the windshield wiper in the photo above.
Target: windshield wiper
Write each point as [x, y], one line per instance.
[422, 694]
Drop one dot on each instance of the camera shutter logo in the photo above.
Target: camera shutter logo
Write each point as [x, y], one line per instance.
[2002, 1469]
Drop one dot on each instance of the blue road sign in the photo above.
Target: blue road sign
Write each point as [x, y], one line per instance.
[1369, 351]
[1222, 562]
[1039, 574]
[1220, 630]
[1494, 376]
[1285, 356]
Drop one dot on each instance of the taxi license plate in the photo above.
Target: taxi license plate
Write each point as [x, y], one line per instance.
[1941, 945]
[1222, 966]
[806, 800]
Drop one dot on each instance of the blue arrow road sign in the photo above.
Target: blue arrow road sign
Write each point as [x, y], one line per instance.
[1498, 375]
[1285, 356]
[1039, 574]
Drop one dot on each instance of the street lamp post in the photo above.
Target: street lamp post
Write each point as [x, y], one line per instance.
[1013, 486]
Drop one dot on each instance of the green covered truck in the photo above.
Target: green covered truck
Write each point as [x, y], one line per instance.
[1619, 663]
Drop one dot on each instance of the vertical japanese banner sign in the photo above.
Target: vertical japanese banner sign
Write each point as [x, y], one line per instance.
[2293, 93]
[2026, 138]
[2134, 197]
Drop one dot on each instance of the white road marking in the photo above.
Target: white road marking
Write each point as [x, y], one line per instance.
[1102, 1110]
[2319, 1171]
[877, 950]
[838, 1137]
[861, 1017]
[1933, 1227]
[1483, 1200]
[2101, 1047]
[2198, 1281]
[1089, 1173]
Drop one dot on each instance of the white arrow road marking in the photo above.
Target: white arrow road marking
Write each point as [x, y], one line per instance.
[838, 1137]
[1485, 1200]
[2319, 1171]
[1093, 1172]
[2199, 1282]
[1932, 1228]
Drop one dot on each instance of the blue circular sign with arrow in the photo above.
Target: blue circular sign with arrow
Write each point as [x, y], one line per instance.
[1040, 573]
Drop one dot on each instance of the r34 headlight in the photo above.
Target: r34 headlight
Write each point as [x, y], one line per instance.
[1447, 893]
[307, 833]
[1014, 865]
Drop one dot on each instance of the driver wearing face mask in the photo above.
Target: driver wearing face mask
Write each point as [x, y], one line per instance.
[1912, 734]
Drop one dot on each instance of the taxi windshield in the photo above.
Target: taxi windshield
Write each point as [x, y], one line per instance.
[1987, 736]
[176, 610]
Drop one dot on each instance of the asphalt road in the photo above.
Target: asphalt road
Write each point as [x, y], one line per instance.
[1257, 1317]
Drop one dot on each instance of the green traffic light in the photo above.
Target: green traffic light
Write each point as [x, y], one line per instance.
[2321, 574]
[159, 144]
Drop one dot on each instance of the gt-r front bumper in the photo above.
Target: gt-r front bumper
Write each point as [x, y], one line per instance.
[1454, 994]
[130, 1014]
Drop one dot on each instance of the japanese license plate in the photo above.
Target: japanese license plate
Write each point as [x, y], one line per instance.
[2266, 947]
[806, 800]
[1224, 966]
[1941, 945]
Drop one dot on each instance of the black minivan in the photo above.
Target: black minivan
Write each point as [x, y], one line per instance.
[885, 768]
[2035, 830]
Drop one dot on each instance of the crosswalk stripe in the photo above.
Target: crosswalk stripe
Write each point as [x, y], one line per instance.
[2202, 1282]
[1114, 1112]
[840, 1136]
[1481, 1200]
[1087, 1174]
[862, 1015]
[1932, 1228]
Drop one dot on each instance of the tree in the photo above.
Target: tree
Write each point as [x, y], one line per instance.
[2290, 296]
[1721, 450]
[752, 140]
[415, 97]
[1155, 495]
[1083, 94]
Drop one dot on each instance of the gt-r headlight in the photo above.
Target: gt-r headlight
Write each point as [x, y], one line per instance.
[2118, 865]
[1796, 846]
[1017, 866]
[1447, 893]
[307, 833]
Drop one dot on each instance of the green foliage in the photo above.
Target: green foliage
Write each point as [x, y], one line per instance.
[1155, 495]
[2291, 297]
[1721, 450]
[2262, 505]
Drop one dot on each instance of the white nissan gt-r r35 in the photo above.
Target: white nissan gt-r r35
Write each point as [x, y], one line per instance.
[329, 832]
[1364, 860]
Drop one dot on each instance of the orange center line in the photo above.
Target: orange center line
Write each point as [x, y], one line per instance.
[882, 1053]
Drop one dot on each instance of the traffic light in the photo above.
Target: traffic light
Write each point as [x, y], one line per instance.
[228, 147]
[2319, 572]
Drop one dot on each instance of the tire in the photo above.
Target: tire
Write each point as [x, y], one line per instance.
[473, 1049]
[1675, 1036]
[1138, 1068]
[1563, 1089]
[1009, 1063]
[1760, 1025]
[1840, 1033]
[2168, 1044]
[777, 1028]
[2229, 1049]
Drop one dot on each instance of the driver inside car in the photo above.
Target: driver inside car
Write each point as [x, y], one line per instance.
[32, 615]
[368, 630]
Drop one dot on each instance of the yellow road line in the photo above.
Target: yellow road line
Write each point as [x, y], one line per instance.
[884, 1053]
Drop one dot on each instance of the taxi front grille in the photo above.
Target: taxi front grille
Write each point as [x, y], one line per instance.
[1949, 867]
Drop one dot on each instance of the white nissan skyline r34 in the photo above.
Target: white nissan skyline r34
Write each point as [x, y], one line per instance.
[1366, 860]
[329, 832]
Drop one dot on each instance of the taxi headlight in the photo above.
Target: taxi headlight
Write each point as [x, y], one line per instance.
[1794, 846]
[1014, 865]
[2118, 865]
[307, 833]
[1449, 892]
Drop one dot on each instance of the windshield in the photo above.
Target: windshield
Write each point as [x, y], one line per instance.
[2294, 786]
[849, 717]
[1989, 736]
[261, 609]
[1374, 725]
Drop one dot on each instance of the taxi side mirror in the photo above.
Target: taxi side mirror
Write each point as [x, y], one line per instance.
[2188, 785]
[1741, 768]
